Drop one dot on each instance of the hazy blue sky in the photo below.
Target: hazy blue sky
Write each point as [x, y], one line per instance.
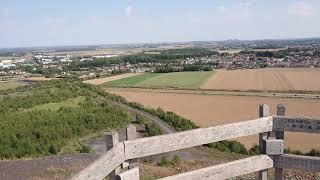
[81, 22]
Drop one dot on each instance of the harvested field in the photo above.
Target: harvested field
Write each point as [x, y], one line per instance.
[212, 110]
[276, 79]
[111, 78]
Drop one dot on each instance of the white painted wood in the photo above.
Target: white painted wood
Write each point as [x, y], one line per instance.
[132, 174]
[289, 161]
[227, 170]
[296, 124]
[263, 112]
[171, 142]
[104, 165]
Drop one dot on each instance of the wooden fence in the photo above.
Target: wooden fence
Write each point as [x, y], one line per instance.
[123, 155]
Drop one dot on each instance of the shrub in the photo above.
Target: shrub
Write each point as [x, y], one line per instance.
[229, 146]
[140, 119]
[164, 162]
[176, 159]
[152, 129]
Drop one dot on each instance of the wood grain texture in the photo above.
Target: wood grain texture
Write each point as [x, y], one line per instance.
[263, 112]
[296, 124]
[132, 174]
[227, 170]
[171, 142]
[289, 161]
[131, 132]
[104, 165]
[281, 111]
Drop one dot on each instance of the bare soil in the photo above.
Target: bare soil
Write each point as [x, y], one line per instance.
[276, 79]
[54, 167]
[212, 110]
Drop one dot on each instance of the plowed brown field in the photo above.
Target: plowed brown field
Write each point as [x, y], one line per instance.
[212, 110]
[281, 79]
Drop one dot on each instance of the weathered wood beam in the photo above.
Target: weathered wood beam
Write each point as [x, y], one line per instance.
[281, 111]
[104, 165]
[170, 142]
[289, 161]
[296, 124]
[131, 132]
[263, 112]
[112, 139]
[227, 170]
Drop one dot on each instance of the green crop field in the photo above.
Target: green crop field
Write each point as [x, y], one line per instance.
[131, 81]
[187, 80]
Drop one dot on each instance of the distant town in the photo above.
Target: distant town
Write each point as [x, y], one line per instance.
[94, 62]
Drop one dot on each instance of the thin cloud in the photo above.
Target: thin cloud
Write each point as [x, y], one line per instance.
[128, 10]
[301, 8]
[221, 9]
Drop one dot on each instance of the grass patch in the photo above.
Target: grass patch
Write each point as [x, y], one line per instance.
[131, 81]
[10, 85]
[183, 80]
[190, 80]
[73, 102]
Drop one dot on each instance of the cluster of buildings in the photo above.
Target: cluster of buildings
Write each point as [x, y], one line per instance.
[245, 61]
[230, 61]
[7, 64]
[49, 59]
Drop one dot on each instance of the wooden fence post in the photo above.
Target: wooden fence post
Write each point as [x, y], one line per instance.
[279, 135]
[112, 139]
[263, 112]
[131, 132]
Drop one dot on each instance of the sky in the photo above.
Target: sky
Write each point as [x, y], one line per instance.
[25, 23]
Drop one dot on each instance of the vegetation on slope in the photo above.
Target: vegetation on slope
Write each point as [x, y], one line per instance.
[38, 120]
[177, 122]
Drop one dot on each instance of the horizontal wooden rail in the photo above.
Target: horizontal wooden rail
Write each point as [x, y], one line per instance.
[227, 170]
[171, 142]
[104, 165]
[296, 124]
[289, 161]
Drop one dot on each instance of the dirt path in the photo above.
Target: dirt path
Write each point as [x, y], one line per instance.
[195, 153]
[53, 167]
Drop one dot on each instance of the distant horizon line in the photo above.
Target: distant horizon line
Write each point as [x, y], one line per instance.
[146, 43]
